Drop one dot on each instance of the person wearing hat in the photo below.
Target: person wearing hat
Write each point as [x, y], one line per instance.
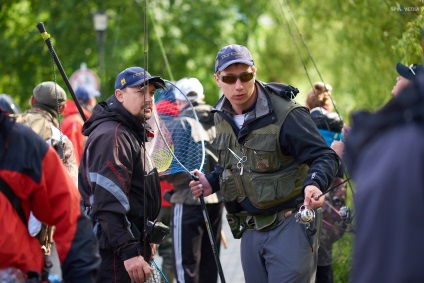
[406, 75]
[47, 102]
[385, 157]
[33, 181]
[114, 178]
[73, 122]
[272, 161]
[193, 253]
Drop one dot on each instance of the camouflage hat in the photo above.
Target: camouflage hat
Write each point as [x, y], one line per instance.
[49, 94]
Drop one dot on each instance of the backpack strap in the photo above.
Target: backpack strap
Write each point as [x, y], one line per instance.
[14, 200]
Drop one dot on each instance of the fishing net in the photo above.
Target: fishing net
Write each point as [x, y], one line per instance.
[157, 276]
[178, 145]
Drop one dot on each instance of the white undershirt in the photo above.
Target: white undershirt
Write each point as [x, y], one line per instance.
[239, 120]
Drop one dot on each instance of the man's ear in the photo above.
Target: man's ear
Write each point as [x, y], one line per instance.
[62, 108]
[119, 94]
[217, 80]
[32, 100]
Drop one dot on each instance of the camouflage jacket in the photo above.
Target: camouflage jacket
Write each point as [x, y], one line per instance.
[46, 125]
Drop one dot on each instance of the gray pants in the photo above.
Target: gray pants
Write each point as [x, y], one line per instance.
[286, 254]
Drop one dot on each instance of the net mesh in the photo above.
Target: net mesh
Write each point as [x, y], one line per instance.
[157, 275]
[178, 144]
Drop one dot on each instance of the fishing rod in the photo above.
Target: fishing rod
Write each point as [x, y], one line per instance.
[46, 38]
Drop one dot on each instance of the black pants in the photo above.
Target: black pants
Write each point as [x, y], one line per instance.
[324, 274]
[112, 269]
[193, 255]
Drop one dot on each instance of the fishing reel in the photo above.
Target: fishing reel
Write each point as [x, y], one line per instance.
[156, 232]
[346, 214]
[305, 216]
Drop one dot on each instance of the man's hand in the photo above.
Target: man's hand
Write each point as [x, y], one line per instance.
[201, 187]
[138, 269]
[311, 197]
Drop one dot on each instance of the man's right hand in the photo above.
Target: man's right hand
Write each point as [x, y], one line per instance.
[138, 269]
[200, 187]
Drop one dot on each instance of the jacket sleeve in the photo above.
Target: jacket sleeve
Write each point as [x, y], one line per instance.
[58, 203]
[109, 171]
[300, 138]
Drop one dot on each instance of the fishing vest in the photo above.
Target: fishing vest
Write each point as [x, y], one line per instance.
[264, 175]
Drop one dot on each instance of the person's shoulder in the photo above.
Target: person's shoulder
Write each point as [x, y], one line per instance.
[285, 91]
[25, 137]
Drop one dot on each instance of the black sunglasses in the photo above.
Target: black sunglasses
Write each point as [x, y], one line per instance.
[232, 79]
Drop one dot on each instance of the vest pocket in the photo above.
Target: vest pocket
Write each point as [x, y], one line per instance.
[228, 186]
[262, 154]
[272, 189]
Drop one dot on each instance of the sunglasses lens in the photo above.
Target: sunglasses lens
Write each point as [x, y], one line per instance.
[229, 79]
[232, 79]
[245, 77]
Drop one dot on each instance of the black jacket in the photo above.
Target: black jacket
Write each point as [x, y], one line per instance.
[112, 178]
[385, 157]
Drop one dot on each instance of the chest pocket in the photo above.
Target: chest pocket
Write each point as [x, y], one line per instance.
[221, 144]
[262, 152]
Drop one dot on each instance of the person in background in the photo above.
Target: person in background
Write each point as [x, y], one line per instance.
[406, 75]
[47, 103]
[193, 254]
[72, 122]
[330, 125]
[34, 179]
[168, 111]
[120, 190]
[385, 156]
[272, 161]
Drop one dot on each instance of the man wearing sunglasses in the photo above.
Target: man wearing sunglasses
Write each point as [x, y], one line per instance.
[272, 160]
[406, 75]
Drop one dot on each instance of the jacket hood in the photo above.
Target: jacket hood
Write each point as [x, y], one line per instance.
[112, 110]
[408, 107]
[71, 108]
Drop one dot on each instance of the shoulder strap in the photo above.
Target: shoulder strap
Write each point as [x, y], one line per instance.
[14, 200]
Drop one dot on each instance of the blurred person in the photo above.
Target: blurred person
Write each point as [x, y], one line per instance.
[72, 122]
[47, 103]
[194, 258]
[330, 125]
[406, 75]
[120, 190]
[33, 179]
[167, 110]
[272, 160]
[385, 157]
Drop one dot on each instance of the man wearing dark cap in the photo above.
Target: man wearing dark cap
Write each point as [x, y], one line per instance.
[406, 75]
[119, 188]
[272, 160]
[73, 122]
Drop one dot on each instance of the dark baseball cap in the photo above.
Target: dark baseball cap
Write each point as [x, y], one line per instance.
[410, 72]
[134, 76]
[232, 54]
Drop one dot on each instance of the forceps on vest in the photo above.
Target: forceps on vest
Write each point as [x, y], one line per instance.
[240, 162]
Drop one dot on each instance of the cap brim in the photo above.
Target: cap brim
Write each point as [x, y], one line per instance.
[246, 62]
[156, 81]
[404, 71]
